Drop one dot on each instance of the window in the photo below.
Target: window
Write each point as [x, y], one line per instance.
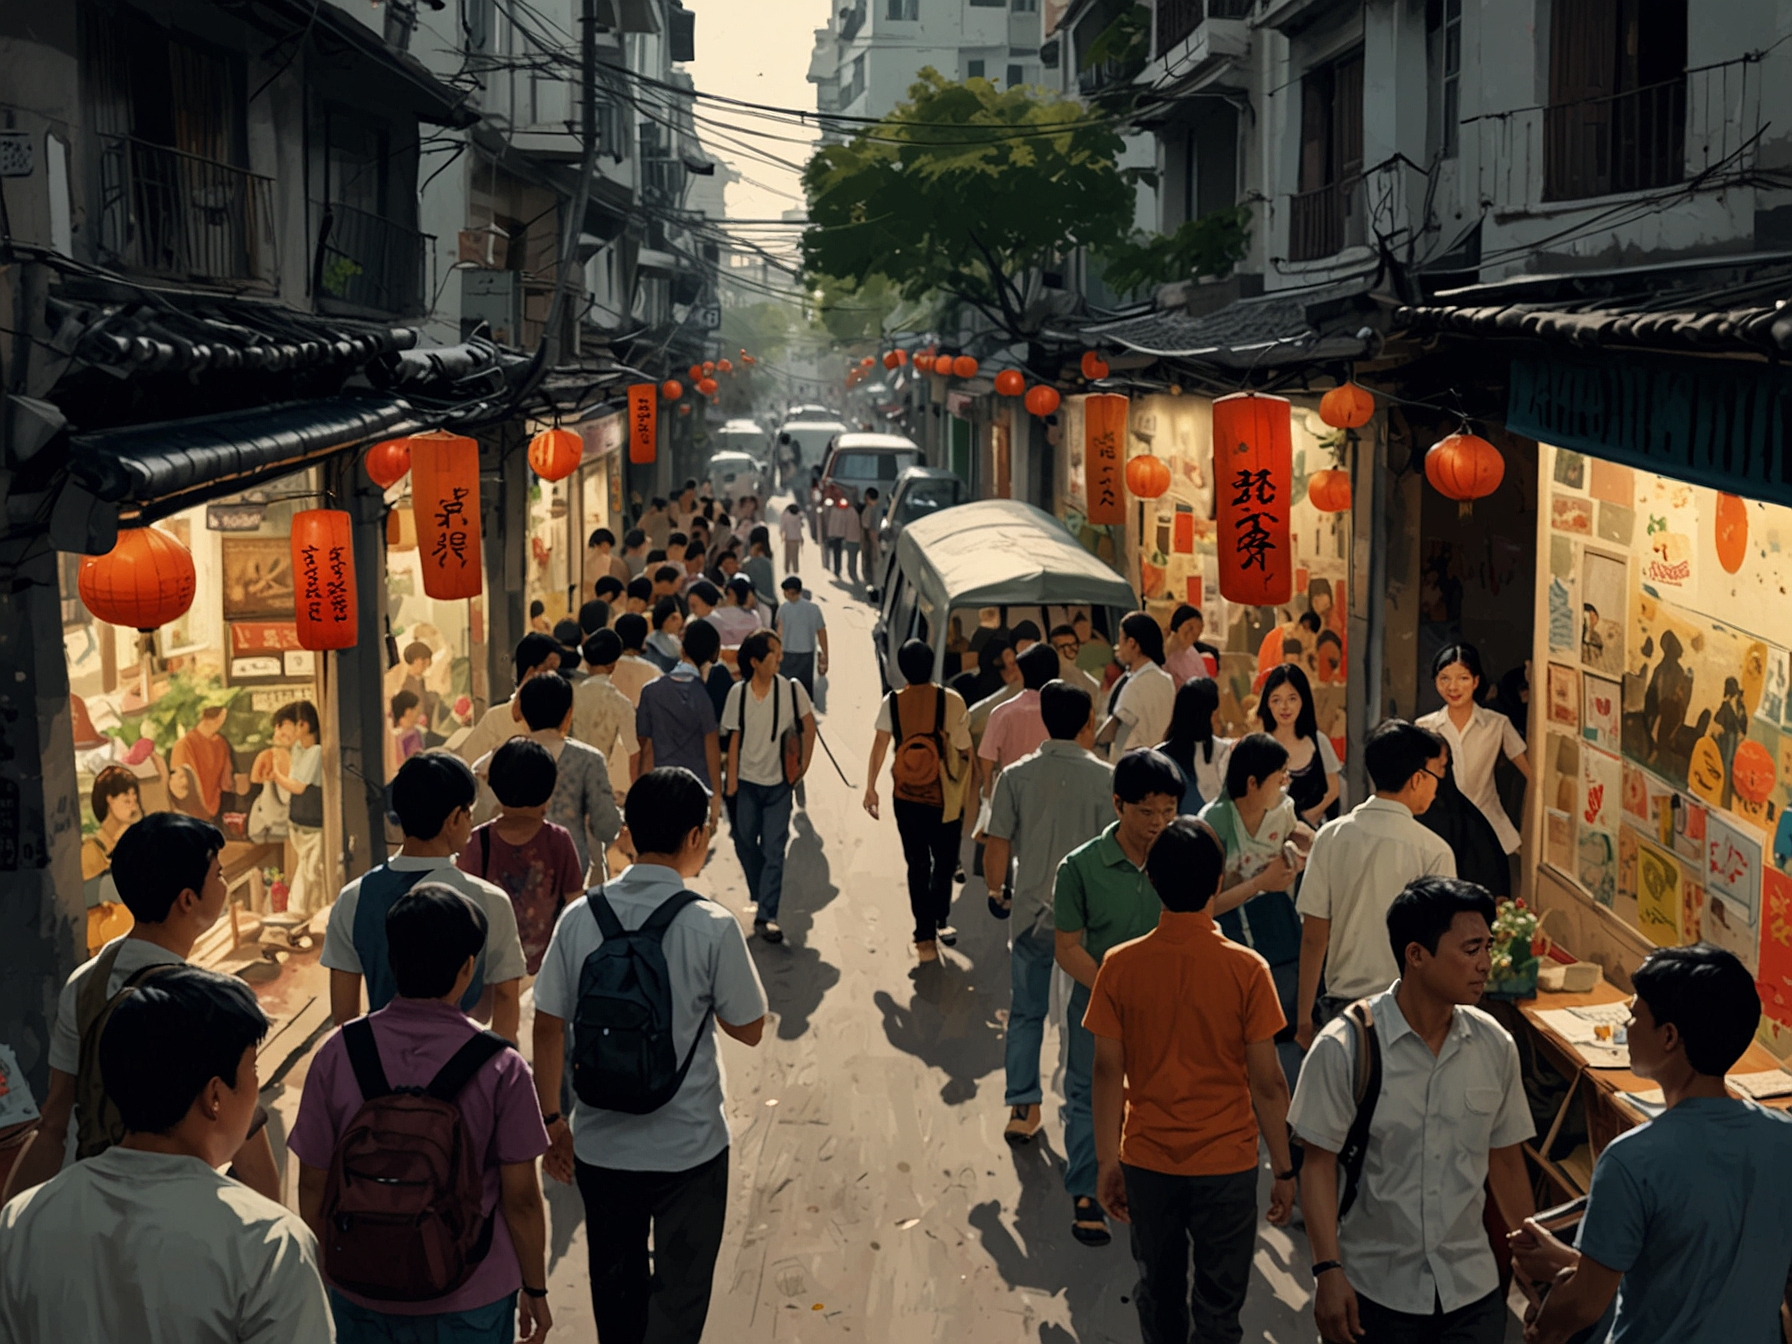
[1616, 119]
[1443, 24]
[1331, 159]
[973, 70]
[906, 11]
[1024, 6]
[1017, 75]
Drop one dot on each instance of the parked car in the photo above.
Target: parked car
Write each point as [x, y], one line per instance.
[743, 436]
[812, 412]
[733, 475]
[857, 461]
[997, 553]
[801, 443]
[918, 492]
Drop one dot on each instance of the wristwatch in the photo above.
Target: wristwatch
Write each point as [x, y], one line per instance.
[534, 1292]
[1288, 1175]
[1324, 1266]
[550, 1118]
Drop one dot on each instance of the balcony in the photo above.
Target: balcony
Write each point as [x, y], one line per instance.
[662, 179]
[173, 214]
[366, 262]
[1177, 19]
[1326, 220]
[1631, 141]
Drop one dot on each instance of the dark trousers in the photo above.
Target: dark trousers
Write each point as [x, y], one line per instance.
[801, 667]
[835, 548]
[930, 847]
[1480, 1322]
[1209, 1219]
[667, 1302]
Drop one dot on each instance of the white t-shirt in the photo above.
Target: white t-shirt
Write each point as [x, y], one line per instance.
[133, 956]
[1143, 708]
[761, 762]
[790, 526]
[157, 1248]
[1473, 754]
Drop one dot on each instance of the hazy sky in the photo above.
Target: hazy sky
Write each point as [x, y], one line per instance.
[756, 50]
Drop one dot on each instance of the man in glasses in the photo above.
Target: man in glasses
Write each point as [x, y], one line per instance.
[1065, 643]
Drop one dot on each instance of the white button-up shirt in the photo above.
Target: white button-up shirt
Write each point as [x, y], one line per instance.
[1142, 703]
[1359, 863]
[1473, 753]
[1413, 1241]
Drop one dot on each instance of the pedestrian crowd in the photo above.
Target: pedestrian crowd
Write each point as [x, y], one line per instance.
[1247, 973]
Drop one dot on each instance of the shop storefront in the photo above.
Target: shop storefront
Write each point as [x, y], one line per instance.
[562, 516]
[435, 682]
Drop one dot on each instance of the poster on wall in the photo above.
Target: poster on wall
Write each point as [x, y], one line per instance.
[257, 577]
[1657, 895]
[1596, 852]
[1733, 868]
[1558, 840]
[1773, 973]
[1599, 711]
[1571, 515]
[1563, 595]
[1670, 525]
[1603, 612]
[1564, 695]
[1721, 925]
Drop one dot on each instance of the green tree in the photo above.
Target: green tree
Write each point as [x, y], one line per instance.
[854, 314]
[964, 191]
[761, 328]
[1210, 245]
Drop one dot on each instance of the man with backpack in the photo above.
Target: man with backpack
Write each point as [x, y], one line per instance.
[636, 971]
[432, 796]
[417, 1136]
[1410, 1106]
[928, 777]
[146, 1242]
[169, 877]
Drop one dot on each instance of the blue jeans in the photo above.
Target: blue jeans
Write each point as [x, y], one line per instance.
[1079, 1096]
[1030, 975]
[761, 826]
[491, 1324]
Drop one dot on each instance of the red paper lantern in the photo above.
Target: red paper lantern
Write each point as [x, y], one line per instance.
[1104, 446]
[1253, 461]
[388, 462]
[1011, 382]
[643, 422]
[1329, 490]
[696, 373]
[924, 362]
[1347, 407]
[709, 367]
[554, 454]
[747, 359]
[866, 362]
[725, 365]
[1094, 366]
[706, 386]
[892, 359]
[1147, 476]
[445, 502]
[964, 367]
[145, 581]
[1732, 532]
[1042, 400]
[323, 579]
[1752, 771]
[1464, 467]
[671, 389]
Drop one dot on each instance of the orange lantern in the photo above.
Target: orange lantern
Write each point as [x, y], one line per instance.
[866, 362]
[1147, 476]
[695, 372]
[924, 362]
[1329, 490]
[1347, 407]
[554, 454]
[1253, 468]
[145, 581]
[445, 500]
[706, 386]
[1104, 444]
[964, 367]
[892, 359]
[388, 462]
[1010, 383]
[671, 389]
[725, 365]
[1752, 771]
[709, 367]
[1732, 532]
[643, 422]
[747, 359]
[1094, 366]
[323, 579]
[1464, 467]
[1042, 400]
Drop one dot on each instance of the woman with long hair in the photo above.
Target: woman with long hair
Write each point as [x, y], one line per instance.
[1190, 741]
[1478, 737]
[1285, 710]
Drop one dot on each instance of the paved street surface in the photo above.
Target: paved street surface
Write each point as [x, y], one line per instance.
[872, 1196]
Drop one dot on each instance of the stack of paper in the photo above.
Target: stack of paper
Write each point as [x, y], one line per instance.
[1761, 1086]
[1576, 1027]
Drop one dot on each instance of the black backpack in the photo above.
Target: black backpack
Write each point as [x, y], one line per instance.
[623, 1056]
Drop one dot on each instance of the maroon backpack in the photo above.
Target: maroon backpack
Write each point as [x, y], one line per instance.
[402, 1203]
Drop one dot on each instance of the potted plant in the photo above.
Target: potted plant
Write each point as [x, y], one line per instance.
[1514, 973]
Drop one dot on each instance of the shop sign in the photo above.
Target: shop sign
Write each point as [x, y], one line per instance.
[251, 637]
[1104, 457]
[643, 421]
[234, 517]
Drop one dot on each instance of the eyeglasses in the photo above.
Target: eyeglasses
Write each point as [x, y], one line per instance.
[1435, 775]
[1069, 648]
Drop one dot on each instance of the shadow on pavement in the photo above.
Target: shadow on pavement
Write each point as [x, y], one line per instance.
[796, 978]
[566, 1214]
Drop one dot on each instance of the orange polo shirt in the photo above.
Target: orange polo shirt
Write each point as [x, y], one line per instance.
[1183, 1001]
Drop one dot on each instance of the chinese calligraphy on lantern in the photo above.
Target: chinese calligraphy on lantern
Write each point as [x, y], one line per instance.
[1104, 429]
[450, 516]
[1254, 540]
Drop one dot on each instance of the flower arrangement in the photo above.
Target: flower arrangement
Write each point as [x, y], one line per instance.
[1514, 951]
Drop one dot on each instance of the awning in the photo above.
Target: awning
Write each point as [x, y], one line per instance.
[162, 468]
[1000, 552]
[1287, 327]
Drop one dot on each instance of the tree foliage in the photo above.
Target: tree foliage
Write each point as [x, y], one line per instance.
[1210, 245]
[853, 313]
[964, 191]
[762, 328]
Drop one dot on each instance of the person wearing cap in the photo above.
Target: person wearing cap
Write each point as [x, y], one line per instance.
[803, 632]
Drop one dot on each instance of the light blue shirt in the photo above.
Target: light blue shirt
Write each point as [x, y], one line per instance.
[799, 622]
[707, 956]
[1695, 1209]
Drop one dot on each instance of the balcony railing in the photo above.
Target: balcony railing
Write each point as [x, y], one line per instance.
[662, 179]
[1625, 142]
[1323, 222]
[1099, 75]
[370, 262]
[175, 214]
[1176, 19]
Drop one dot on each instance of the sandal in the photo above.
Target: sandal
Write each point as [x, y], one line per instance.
[1000, 909]
[1091, 1225]
[1023, 1123]
[927, 951]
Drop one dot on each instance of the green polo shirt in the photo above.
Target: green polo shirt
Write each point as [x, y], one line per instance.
[1103, 896]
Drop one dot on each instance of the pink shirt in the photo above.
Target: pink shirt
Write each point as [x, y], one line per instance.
[1015, 729]
[499, 1108]
[1188, 664]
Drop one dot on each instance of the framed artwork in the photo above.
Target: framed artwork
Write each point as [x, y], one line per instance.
[1564, 696]
[257, 577]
